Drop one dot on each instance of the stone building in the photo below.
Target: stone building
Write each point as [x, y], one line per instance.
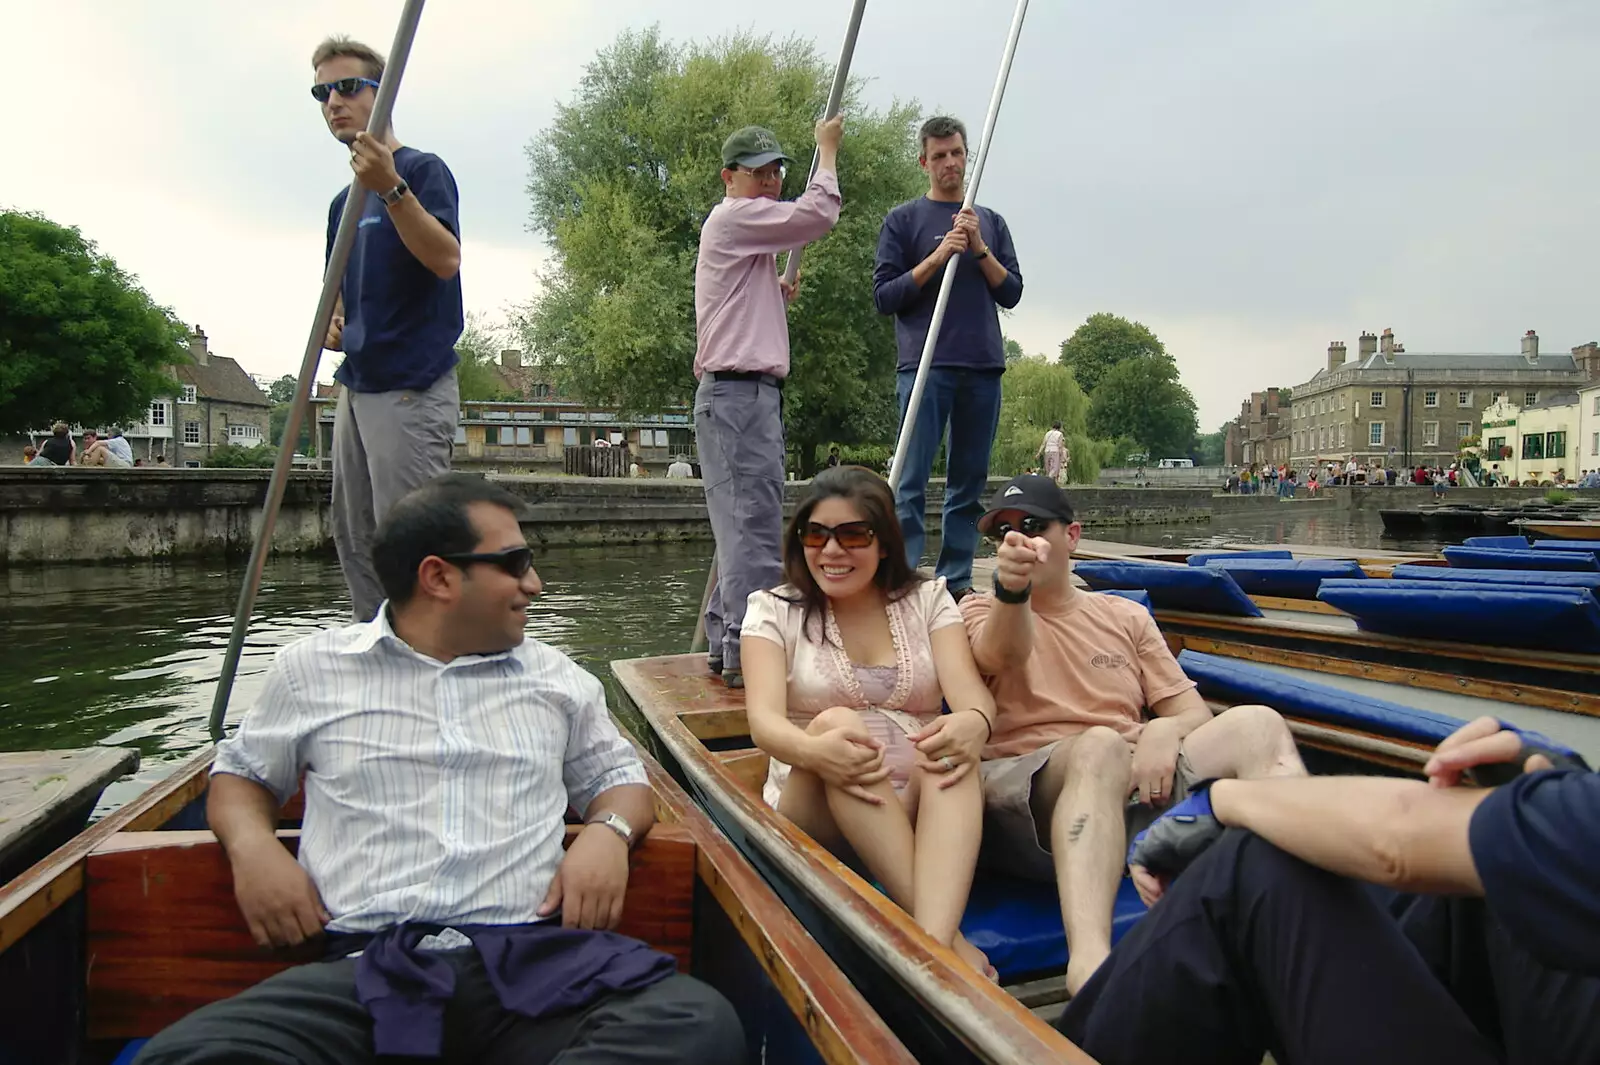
[1392, 407]
[217, 404]
[1260, 435]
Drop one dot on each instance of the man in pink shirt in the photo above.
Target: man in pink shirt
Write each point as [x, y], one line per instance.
[741, 360]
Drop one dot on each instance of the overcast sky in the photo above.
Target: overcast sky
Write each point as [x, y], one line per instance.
[1250, 178]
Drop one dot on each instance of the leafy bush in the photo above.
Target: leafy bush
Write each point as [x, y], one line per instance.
[1555, 495]
[234, 457]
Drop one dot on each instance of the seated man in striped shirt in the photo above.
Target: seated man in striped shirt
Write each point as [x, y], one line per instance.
[440, 751]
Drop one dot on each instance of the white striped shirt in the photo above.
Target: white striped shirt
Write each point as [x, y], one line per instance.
[435, 792]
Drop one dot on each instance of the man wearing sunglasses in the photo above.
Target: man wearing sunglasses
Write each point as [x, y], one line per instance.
[1097, 727]
[440, 750]
[741, 360]
[397, 319]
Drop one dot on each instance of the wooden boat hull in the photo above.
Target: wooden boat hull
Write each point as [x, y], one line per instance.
[46, 798]
[1561, 530]
[132, 923]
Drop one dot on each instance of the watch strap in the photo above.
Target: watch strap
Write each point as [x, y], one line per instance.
[616, 823]
[982, 255]
[1006, 595]
[394, 195]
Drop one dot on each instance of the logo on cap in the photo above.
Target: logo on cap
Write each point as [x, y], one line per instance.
[1012, 491]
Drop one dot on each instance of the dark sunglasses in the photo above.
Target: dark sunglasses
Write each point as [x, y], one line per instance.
[1029, 526]
[513, 561]
[344, 87]
[851, 535]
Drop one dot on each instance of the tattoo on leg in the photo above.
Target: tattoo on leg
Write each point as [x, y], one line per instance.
[1076, 830]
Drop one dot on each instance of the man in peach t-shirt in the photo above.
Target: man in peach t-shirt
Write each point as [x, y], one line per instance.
[1098, 728]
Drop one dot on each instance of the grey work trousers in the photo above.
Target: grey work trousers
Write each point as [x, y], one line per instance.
[384, 445]
[738, 429]
[311, 1015]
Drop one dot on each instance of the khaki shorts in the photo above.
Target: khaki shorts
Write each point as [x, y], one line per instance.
[1014, 843]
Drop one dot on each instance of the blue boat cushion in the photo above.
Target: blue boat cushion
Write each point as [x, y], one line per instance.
[1536, 578]
[1205, 558]
[1515, 543]
[1198, 588]
[1017, 923]
[1496, 558]
[1504, 615]
[1293, 578]
[1232, 681]
[1591, 546]
[1136, 595]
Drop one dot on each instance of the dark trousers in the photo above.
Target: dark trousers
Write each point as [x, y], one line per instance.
[309, 1015]
[1253, 950]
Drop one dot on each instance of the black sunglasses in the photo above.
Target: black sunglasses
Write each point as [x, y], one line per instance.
[514, 561]
[851, 534]
[344, 87]
[1028, 526]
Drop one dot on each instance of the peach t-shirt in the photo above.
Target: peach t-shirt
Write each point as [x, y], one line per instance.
[1100, 661]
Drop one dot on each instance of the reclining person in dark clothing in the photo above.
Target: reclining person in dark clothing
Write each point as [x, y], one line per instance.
[440, 750]
[1270, 940]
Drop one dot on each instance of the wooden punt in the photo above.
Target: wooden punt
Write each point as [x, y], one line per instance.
[46, 798]
[1560, 530]
[943, 1009]
[132, 924]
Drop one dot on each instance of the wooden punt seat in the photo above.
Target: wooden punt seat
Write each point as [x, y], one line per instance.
[165, 936]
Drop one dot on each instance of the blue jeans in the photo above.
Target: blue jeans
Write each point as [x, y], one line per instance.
[968, 402]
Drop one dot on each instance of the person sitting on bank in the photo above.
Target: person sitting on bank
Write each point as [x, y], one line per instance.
[1074, 766]
[680, 469]
[1346, 918]
[59, 449]
[845, 666]
[446, 749]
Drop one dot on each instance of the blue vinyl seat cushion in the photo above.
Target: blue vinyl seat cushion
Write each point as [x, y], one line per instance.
[1591, 546]
[1505, 615]
[1293, 578]
[1017, 923]
[1205, 558]
[1515, 543]
[1204, 589]
[1496, 558]
[1537, 578]
[1135, 595]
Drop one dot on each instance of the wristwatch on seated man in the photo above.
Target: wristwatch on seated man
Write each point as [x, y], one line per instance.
[1006, 595]
[616, 823]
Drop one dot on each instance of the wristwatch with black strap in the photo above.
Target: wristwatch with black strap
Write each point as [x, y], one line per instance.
[1006, 595]
[394, 195]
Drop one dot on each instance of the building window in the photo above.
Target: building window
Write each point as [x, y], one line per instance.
[188, 394]
[1594, 444]
[1463, 399]
[158, 413]
[1375, 433]
[244, 435]
[1342, 398]
[1430, 434]
[1342, 436]
[508, 435]
[1533, 446]
[1375, 399]
[191, 432]
[1497, 444]
[1463, 430]
[1496, 397]
[1430, 399]
[524, 435]
[1597, 406]
[1555, 445]
[1529, 399]
[461, 434]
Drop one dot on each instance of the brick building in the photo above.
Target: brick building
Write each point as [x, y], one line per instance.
[1259, 436]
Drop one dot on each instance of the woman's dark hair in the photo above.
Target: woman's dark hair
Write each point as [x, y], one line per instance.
[433, 519]
[871, 496]
[1057, 425]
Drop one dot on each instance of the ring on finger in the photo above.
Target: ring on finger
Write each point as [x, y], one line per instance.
[947, 762]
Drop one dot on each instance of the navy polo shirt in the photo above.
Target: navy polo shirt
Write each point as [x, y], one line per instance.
[1536, 845]
[401, 322]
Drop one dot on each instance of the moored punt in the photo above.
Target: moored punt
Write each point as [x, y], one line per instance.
[132, 924]
[942, 1008]
[46, 798]
[1561, 530]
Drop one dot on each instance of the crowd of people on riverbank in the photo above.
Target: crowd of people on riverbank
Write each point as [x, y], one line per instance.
[110, 450]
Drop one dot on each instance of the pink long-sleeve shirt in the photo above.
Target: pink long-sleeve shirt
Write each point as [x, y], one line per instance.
[740, 319]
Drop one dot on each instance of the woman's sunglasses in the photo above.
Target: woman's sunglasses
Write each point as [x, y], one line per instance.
[1029, 526]
[851, 535]
[346, 87]
[513, 561]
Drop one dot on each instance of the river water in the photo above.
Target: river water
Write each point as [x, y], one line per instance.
[130, 654]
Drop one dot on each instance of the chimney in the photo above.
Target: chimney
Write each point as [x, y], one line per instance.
[1336, 355]
[1386, 345]
[197, 347]
[1530, 346]
[511, 358]
[1587, 357]
[1368, 345]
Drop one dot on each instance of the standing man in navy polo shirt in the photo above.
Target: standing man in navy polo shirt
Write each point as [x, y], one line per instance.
[963, 389]
[397, 321]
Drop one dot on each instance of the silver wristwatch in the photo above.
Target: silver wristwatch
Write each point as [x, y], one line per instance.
[618, 824]
[394, 195]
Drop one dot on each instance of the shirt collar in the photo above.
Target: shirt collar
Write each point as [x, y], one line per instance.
[372, 633]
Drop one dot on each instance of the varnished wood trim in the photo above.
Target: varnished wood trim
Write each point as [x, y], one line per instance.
[1455, 683]
[1300, 606]
[715, 724]
[994, 1025]
[749, 767]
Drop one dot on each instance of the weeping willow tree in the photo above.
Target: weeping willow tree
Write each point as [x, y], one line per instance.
[1037, 394]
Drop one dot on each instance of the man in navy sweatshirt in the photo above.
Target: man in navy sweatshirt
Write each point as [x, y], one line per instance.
[963, 389]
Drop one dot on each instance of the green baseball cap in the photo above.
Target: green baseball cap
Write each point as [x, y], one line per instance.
[752, 147]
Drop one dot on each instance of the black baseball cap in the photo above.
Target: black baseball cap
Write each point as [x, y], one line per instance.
[752, 147]
[1029, 494]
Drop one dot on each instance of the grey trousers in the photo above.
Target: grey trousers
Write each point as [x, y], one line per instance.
[738, 429]
[310, 1015]
[384, 445]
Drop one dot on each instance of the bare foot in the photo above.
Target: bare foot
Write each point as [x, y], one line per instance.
[975, 958]
[1081, 966]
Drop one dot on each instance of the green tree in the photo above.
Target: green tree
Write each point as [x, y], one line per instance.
[79, 339]
[1105, 341]
[1034, 396]
[235, 457]
[282, 390]
[1208, 447]
[1144, 399]
[1013, 351]
[620, 184]
[478, 352]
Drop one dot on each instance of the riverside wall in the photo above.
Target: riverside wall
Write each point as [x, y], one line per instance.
[72, 515]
